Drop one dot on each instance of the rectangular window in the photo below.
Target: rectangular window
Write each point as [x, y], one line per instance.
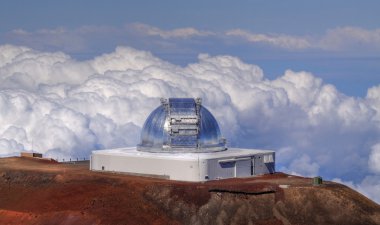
[268, 158]
[227, 164]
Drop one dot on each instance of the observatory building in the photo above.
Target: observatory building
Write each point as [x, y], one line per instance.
[181, 140]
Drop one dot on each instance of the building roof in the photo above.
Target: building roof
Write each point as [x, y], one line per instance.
[230, 153]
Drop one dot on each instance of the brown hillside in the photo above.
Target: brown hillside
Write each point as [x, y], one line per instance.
[35, 191]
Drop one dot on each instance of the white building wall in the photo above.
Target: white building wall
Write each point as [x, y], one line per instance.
[262, 166]
[192, 167]
[218, 170]
[246, 166]
[186, 170]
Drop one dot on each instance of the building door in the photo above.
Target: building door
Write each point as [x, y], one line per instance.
[252, 166]
[227, 170]
[243, 168]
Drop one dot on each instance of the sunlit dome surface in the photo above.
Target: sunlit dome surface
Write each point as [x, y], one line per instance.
[181, 125]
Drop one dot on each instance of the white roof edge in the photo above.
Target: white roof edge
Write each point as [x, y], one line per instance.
[135, 148]
[231, 153]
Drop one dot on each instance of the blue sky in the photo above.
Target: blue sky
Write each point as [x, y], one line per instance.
[342, 37]
[296, 17]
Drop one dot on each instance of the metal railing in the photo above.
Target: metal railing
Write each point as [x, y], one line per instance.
[72, 160]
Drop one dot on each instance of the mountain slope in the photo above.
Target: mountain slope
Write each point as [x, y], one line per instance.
[35, 191]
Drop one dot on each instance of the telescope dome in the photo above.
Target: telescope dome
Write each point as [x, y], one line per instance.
[181, 125]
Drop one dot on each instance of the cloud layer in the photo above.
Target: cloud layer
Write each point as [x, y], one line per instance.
[66, 108]
[348, 39]
[340, 39]
[277, 40]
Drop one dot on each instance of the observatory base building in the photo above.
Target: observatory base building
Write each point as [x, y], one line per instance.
[186, 167]
[181, 140]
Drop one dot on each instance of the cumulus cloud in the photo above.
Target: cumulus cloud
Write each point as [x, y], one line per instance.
[305, 166]
[374, 159]
[65, 108]
[369, 186]
[57, 38]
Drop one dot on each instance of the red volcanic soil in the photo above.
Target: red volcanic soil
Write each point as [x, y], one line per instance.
[34, 191]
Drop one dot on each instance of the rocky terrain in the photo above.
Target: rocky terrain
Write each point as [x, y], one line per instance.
[34, 191]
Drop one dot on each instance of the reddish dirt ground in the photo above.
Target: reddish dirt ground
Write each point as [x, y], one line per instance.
[36, 191]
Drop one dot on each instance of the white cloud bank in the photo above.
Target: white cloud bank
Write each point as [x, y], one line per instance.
[66, 108]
